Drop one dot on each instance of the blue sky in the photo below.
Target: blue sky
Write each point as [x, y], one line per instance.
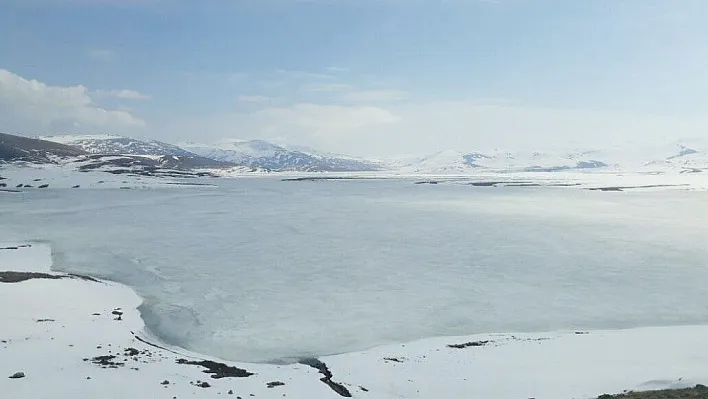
[369, 77]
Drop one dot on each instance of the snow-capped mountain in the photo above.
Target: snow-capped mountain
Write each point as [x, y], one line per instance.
[105, 154]
[265, 155]
[444, 162]
[119, 145]
[159, 153]
[637, 157]
[457, 162]
[259, 155]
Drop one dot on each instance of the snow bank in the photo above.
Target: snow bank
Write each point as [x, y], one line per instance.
[73, 337]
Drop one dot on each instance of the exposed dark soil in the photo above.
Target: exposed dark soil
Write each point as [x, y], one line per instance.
[622, 188]
[327, 379]
[107, 361]
[274, 384]
[698, 392]
[217, 370]
[468, 344]
[16, 247]
[18, 277]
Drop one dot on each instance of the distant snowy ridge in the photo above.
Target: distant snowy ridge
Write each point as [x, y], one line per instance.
[265, 155]
[119, 145]
[687, 156]
[457, 162]
[678, 157]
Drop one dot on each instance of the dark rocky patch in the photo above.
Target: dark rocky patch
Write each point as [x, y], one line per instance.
[107, 361]
[191, 184]
[45, 320]
[697, 392]
[469, 344]
[18, 277]
[76, 186]
[130, 352]
[217, 370]
[274, 384]
[327, 379]
[363, 389]
[17, 375]
[523, 185]
[82, 277]
[393, 359]
[201, 384]
[485, 183]
[320, 178]
[165, 382]
[43, 186]
[622, 188]
[581, 333]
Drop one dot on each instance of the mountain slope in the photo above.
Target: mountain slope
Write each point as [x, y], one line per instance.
[266, 155]
[23, 149]
[164, 154]
[119, 145]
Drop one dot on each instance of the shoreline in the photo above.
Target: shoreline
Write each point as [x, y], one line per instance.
[73, 337]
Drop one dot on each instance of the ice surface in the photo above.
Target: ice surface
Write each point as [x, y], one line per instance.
[261, 270]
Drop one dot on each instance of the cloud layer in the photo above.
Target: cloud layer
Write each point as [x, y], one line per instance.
[33, 106]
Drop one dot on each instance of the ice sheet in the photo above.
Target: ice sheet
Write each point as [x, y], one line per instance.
[263, 270]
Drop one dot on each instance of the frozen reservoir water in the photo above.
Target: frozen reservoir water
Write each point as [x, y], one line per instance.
[264, 270]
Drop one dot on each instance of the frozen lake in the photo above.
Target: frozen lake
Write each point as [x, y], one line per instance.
[264, 270]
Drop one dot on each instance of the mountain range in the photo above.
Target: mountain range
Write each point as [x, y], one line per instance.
[101, 151]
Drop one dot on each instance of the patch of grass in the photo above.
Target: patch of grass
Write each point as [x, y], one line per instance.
[698, 392]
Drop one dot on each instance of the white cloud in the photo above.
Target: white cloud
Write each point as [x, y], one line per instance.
[317, 125]
[324, 120]
[326, 87]
[336, 69]
[375, 96]
[423, 128]
[30, 105]
[103, 55]
[468, 126]
[304, 75]
[122, 94]
[255, 99]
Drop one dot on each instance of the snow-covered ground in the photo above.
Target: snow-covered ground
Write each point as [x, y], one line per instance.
[70, 337]
[67, 175]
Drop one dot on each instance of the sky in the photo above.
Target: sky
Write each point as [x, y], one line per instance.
[363, 77]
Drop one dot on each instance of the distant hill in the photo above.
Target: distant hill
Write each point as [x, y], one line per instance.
[164, 154]
[23, 149]
[265, 155]
[119, 145]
